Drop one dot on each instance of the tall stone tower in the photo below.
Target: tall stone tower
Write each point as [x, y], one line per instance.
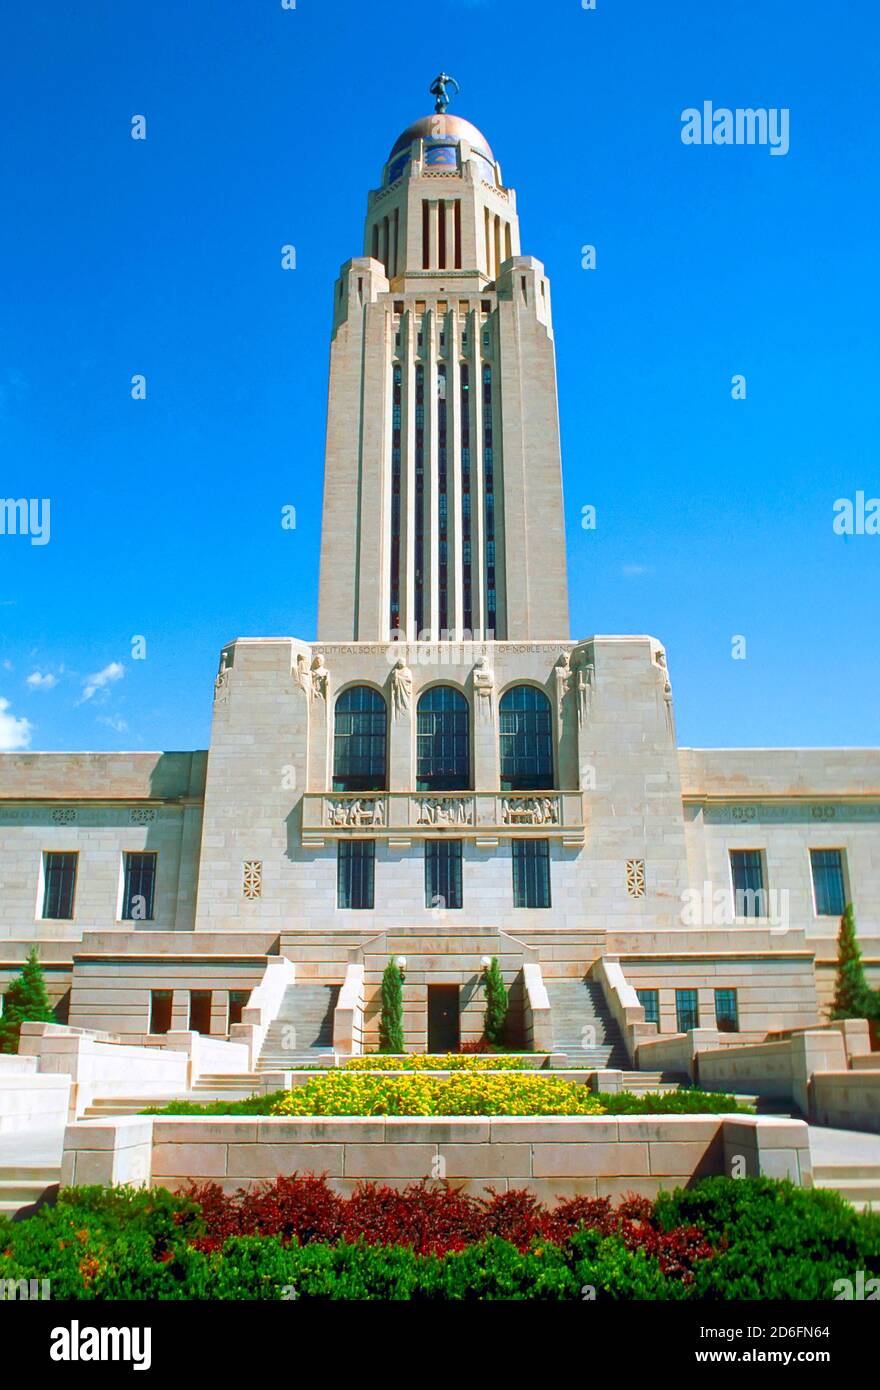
[443, 514]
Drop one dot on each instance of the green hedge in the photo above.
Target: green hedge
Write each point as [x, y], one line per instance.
[772, 1241]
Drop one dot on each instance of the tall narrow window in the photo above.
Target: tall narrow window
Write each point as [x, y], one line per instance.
[457, 234]
[531, 873]
[443, 760]
[443, 873]
[237, 1004]
[160, 1010]
[426, 235]
[355, 870]
[687, 1010]
[747, 869]
[526, 739]
[396, 410]
[441, 233]
[829, 889]
[59, 884]
[442, 506]
[489, 492]
[200, 1010]
[467, 567]
[650, 1002]
[420, 503]
[726, 1011]
[360, 741]
[139, 887]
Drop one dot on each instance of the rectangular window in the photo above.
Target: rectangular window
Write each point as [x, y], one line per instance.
[160, 1011]
[829, 891]
[650, 1002]
[443, 873]
[531, 873]
[726, 1011]
[59, 884]
[687, 1010]
[200, 1010]
[139, 887]
[355, 867]
[747, 868]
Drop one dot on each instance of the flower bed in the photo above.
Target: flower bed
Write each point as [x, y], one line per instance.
[722, 1239]
[452, 1061]
[470, 1092]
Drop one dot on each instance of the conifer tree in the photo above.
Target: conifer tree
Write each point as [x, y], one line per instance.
[852, 998]
[495, 1017]
[391, 1018]
[25, 1001]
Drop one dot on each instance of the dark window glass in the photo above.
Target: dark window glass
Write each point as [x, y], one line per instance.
[59, 889]
[200, 1010]
[828, 885]
[443, 741]
[160, 1011]
[443, 873]
[237, 1003]
[747, 866]
[650, 1002]
[687, 1010]
[526, 740]
[355, 866]
[139, 887]
[531, 873]
[359, 741]
[726, 1012]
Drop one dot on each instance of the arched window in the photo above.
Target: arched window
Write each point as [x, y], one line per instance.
[526, 740]
[360, 741]
[443, 752]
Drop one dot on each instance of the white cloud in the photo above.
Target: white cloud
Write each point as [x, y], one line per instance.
[37, 681]
[14, 733]
[113, 721]
[114, 672]
[633, 571]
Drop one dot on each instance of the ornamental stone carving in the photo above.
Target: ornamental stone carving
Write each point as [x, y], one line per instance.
[320, 678]
[360, 811]
[401, 689]
[445, 810]
[530, 810]
[484, 686]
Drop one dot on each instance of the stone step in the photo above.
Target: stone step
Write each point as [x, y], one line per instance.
[22, 1186]
[862, 1192]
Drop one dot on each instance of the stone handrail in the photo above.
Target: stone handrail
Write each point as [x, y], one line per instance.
[348, 1016]
[536, 1009]
[624, 1004]
[262, 1006]
[102, 1066]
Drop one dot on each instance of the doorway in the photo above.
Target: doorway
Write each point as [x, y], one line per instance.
[444, 1024]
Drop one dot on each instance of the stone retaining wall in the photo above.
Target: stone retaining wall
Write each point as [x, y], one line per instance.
[553, 1157]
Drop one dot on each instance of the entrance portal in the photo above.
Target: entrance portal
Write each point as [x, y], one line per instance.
[444, 1032]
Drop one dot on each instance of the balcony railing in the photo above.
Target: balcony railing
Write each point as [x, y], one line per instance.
[482, 816]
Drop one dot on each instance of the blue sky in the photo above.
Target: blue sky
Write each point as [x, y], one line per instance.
[267, 126]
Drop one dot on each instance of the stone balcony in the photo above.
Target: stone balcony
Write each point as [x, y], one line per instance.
[485, 817]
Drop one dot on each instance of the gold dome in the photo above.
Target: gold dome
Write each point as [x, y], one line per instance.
[444, 128]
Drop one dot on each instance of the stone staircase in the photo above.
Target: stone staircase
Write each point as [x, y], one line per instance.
[232, 1086]
[575, 1007]
[848, 1162]
[302, 1033]
[859, 1183]
[21, 1185]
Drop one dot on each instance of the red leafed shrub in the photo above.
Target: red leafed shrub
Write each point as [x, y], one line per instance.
[429, 1220]
[476, 1045]
[434, 1219]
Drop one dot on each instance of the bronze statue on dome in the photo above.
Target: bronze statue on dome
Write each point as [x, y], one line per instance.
[438, 89]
